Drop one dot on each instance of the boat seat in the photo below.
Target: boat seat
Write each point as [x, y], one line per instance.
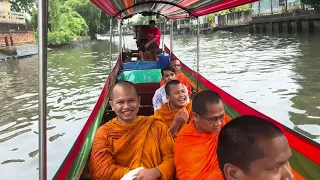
[146, 98]
[146, 92]
[159, 50]
[147, 87]
[146, 110]
[131, 67]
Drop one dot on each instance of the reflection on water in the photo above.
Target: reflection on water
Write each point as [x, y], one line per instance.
[75, 80]
[276, 75]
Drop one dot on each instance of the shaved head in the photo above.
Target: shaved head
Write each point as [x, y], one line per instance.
[123, 84]
[201, 101]
[239, 141]
[175, 63]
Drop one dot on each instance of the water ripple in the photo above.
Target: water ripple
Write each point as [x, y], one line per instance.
[75, 80]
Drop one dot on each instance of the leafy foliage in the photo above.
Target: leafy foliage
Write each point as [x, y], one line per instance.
[105, 23]
[60, 37]
[313, 3]
[89, 12]
[69, 19]
[65, 24]
[22, 5]
[242, 8]
[142, 20]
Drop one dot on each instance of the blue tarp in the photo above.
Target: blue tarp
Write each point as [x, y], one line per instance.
[141, 65]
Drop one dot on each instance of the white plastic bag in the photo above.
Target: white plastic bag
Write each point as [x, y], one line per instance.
[131, 174]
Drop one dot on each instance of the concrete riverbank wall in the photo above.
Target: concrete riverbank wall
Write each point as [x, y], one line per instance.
[14, 39]
[16, 34]
[298, 22]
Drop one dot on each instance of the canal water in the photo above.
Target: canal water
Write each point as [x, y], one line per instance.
[278, 76]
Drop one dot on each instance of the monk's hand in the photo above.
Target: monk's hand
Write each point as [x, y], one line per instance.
[181, 117]
[149, 174]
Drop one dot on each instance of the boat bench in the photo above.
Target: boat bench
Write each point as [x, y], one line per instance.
[159, 50]
[142, 67]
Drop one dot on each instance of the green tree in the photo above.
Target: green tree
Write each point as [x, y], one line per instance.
[97, 21]
[22, 5]
[34, 19]
[313, 3]
[65, 24]
[69, 19]
[105, 23]
[54, 13]
[142, 20]
[89, 12]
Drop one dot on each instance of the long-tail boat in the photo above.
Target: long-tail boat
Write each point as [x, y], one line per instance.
[146, 76]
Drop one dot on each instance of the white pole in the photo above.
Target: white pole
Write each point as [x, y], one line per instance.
[120, 34]
[120, 38]
[42, 48]
[164, 30]
[171, 39]
[198, 51]
[110, 48]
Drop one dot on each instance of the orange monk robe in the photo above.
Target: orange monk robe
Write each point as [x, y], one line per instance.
[297, 176]
[119, 148]
[195, 154]
[168, 114]
[183, 79]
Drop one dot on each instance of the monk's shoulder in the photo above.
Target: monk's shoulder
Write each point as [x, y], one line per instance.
[183, 143]
[184, 133]
[158, 122]
[104, 129]
[159, 112]
[184, 77]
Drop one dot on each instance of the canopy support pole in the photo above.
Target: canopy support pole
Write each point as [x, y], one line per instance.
[171, 38]
[110, 48]
[198, 52]
[42, 80]
[120, 38]
[164, 27]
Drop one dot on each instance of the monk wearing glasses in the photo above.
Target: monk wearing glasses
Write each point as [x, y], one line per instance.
[195, 146]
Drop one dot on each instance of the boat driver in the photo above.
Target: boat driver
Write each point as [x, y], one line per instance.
[154, 36]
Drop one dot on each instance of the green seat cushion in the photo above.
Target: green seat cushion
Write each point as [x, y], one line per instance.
[141, 76]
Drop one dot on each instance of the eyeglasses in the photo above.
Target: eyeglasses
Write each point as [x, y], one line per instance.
[214, 119]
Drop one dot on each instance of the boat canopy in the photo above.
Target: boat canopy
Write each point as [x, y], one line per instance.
[171, 9]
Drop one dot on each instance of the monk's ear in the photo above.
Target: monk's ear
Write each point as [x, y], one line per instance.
[139, 99]
[111, 104]
[195, 116]
[232, 172]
